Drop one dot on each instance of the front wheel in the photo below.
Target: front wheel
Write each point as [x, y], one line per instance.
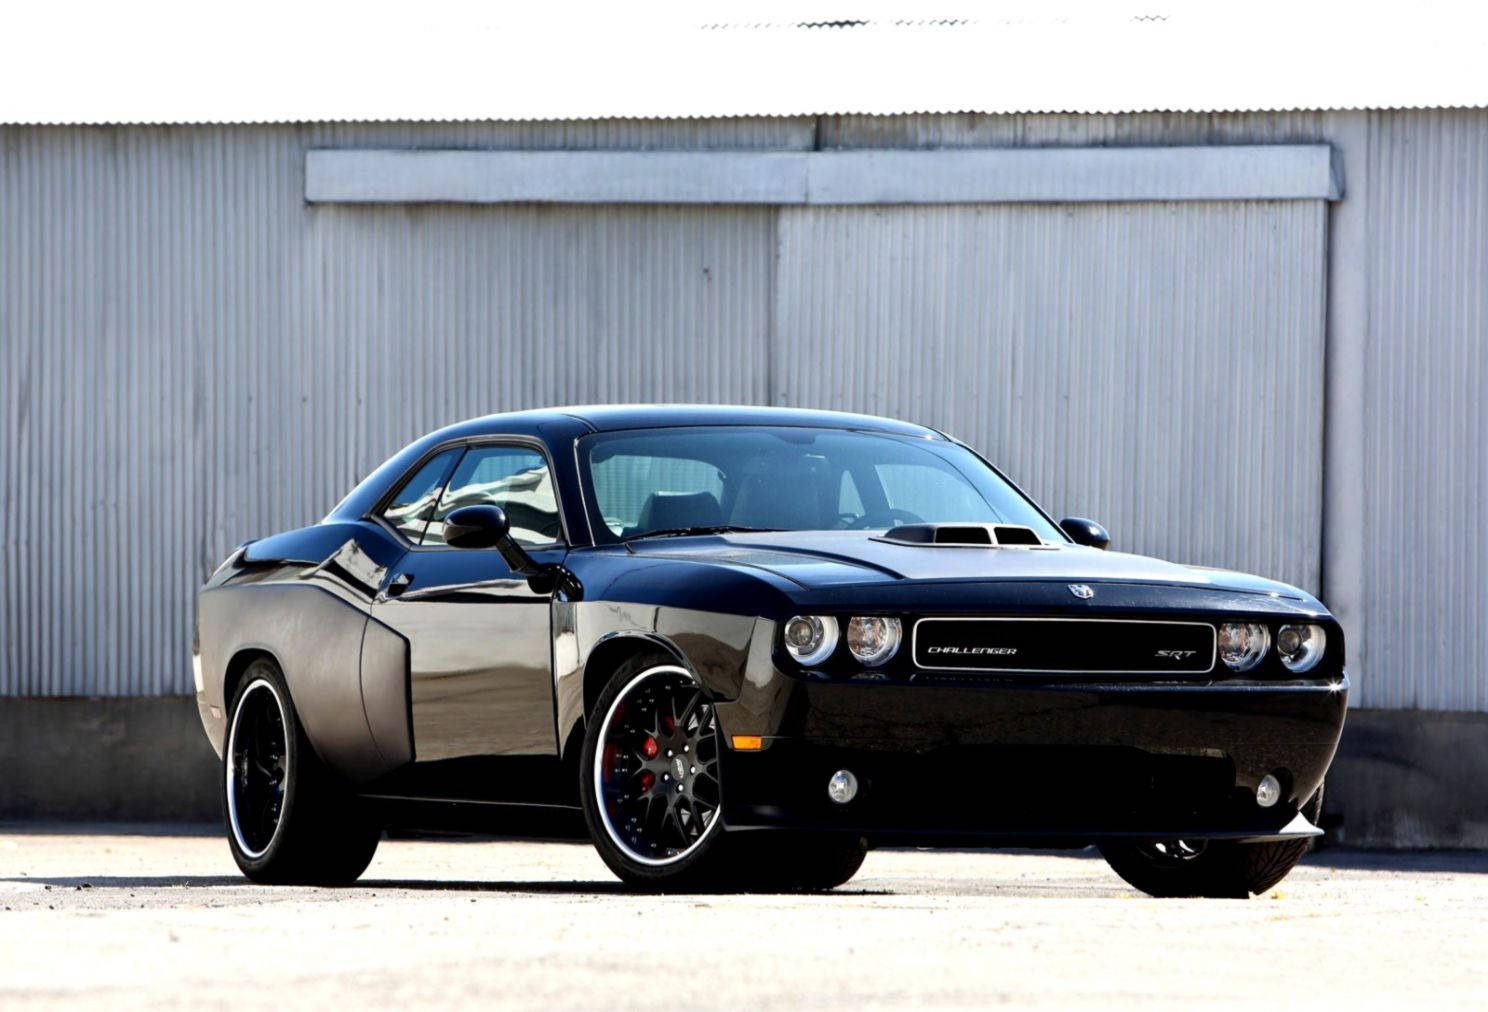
[1219, 869]
[288, 819]
[652, 793]
[650, 779]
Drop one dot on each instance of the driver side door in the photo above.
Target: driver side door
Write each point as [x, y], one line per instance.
[480, 637]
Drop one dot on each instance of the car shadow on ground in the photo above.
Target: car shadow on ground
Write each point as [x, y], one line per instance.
[1445, 861]
[128, 881]
[547, 886]
[607, 887]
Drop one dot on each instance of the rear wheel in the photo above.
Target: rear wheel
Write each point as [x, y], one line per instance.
[289, 820]
[1219, 868]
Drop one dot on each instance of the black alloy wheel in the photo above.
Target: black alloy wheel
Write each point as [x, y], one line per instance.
[257, 767]
[656, 770]
[652, 793]
[1217, 868]
[290, 818]
[1172, 851]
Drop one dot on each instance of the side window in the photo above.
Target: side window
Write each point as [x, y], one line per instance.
[512, 477]
[411, 508]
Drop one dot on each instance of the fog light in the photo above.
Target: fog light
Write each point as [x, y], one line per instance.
[843, 787]
[1268, 791]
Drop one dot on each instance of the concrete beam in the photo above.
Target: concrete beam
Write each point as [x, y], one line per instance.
[141, 758]
[1410, 779]
[979, 176]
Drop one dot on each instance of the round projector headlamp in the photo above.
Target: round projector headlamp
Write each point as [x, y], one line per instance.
[810, 639]
[1301, 646]
[1243, 644]
[873, 639]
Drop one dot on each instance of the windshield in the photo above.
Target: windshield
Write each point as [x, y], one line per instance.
[650, 481]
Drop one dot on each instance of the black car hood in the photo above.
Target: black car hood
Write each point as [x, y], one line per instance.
[821, 559]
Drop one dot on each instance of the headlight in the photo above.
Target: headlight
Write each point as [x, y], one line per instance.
[811, 639]
[1243, 644]
[873, 639]
[1301, 646]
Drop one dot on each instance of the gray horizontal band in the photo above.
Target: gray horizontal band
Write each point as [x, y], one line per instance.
[963, 176]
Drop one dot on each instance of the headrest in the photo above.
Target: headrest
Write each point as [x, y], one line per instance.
[664, 510]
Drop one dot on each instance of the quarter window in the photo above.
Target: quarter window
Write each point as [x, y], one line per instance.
[414, 504]
[514, 478]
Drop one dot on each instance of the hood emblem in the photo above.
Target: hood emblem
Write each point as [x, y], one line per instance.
[1082, 591]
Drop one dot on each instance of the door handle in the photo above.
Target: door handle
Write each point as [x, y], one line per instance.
[399, 584]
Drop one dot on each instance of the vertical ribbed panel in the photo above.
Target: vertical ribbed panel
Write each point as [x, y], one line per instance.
[1155, 366]
[1426, 463]
[980, 130]
[191, 355]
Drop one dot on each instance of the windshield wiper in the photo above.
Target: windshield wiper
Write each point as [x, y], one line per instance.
[682, 532]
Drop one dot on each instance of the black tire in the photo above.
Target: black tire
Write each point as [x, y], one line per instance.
[1218, 869]
[289, 819]
[652, 687]
[782, 861]
[656, 855]
[834, 861]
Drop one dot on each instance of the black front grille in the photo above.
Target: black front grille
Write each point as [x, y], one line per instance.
[1057, 645]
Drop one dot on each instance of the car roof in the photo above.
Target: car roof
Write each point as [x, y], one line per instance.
[615, 417]
[561, 424]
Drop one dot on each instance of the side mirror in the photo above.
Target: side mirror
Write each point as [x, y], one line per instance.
[1085, 532]
[476, 527]
[488, 527]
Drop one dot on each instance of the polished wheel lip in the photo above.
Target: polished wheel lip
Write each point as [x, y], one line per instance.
[598, 776]
[232, 805]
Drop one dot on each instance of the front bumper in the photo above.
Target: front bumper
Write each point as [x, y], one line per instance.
[1050, 764]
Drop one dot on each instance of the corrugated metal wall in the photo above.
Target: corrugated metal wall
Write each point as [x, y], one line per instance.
[1426, 461]
[1158, 366]
[191, 355]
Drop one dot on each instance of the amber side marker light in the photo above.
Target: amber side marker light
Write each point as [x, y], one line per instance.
[748, 743]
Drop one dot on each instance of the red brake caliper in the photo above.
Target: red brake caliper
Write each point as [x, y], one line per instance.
[649, 749]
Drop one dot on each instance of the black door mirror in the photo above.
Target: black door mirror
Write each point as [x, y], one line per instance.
[476, 527]
[1085, 532]
[488, 527]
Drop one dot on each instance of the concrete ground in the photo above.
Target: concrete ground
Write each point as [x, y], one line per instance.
[147, 917]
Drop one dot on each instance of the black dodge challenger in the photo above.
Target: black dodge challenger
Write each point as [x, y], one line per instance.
[743, 645]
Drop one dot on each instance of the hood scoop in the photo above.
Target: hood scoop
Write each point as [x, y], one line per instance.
[966, 536]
